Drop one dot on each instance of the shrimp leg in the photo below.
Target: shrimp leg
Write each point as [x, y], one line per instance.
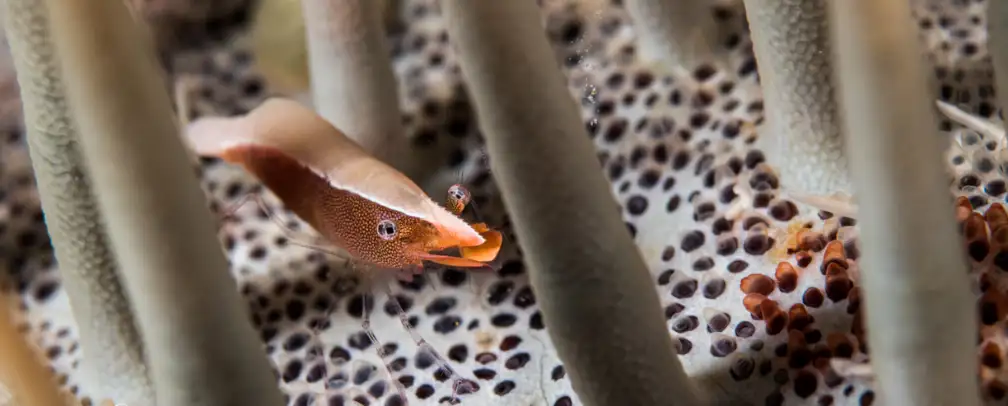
[460, 386]
[293, 237]
[379, 348]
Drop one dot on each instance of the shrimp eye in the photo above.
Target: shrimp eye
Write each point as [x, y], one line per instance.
[386, 229]
[459, 193]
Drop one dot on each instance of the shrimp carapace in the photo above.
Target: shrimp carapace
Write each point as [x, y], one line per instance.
[354, 200]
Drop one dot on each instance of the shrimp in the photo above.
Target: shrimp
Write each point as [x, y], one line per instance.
[352, 199]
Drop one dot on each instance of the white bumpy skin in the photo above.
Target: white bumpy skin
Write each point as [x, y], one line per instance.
[113, 364]
[801, 137]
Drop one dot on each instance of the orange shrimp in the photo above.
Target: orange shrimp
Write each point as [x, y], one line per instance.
[352, 199]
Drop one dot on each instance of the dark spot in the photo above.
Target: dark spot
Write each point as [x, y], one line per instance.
[425, 391]
[558, 373]
[499, 292]
[316, 373]
[45, 290]
[745, 329]
[563, 401]
[704, 211]
[727, 246]
[458, 353]
[648, 179]
[718, 322]
[517, 361]
[681, 159]
[394, 400]
[484, 374]
[447, 324]
[509, 343]
[685, 346]
[440, 305]
[295, 309]
[692, 240]
[665, 277]
[805, 384]
[714, 288]
[703, 264]
[673, 309]
[615, 130]
[359, 340]
[673, 203]
[503, 387]
[424, 359]
[636, 205]
[524, 298]
[292, 370]
[723, 347]
[684, 289]
[643, 80]
[737, 266]
[511, 268]
[668, 253]
[757, 244]
[783, 211]
[296, 341]
[685, 324]
[995, 187]
[536, 321]
[357, 304]
[453, 277]
[698, 120]
[742, 368]
[968, 181]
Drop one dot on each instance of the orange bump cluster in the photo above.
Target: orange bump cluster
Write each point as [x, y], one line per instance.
[985, 239]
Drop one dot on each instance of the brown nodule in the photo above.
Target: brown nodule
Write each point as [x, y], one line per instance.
[963, 208]
[787, 277]
[799, 317]
[752, 302]
[813, 297]
[834, 254]
[776, 319]
[809, 240]
[757, 283]
[840, 345]
[996, 216]
[838, 287]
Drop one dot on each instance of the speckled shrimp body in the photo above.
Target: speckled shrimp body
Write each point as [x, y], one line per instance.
[368, 231]
[355, 201]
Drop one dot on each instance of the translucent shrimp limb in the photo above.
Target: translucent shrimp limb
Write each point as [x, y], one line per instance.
[986, 128]
[680, 33]
[353, 86]
[200, 346]
[802, 132]
[921, 315]
[997, 45]
[582, 261]
[113, 364]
